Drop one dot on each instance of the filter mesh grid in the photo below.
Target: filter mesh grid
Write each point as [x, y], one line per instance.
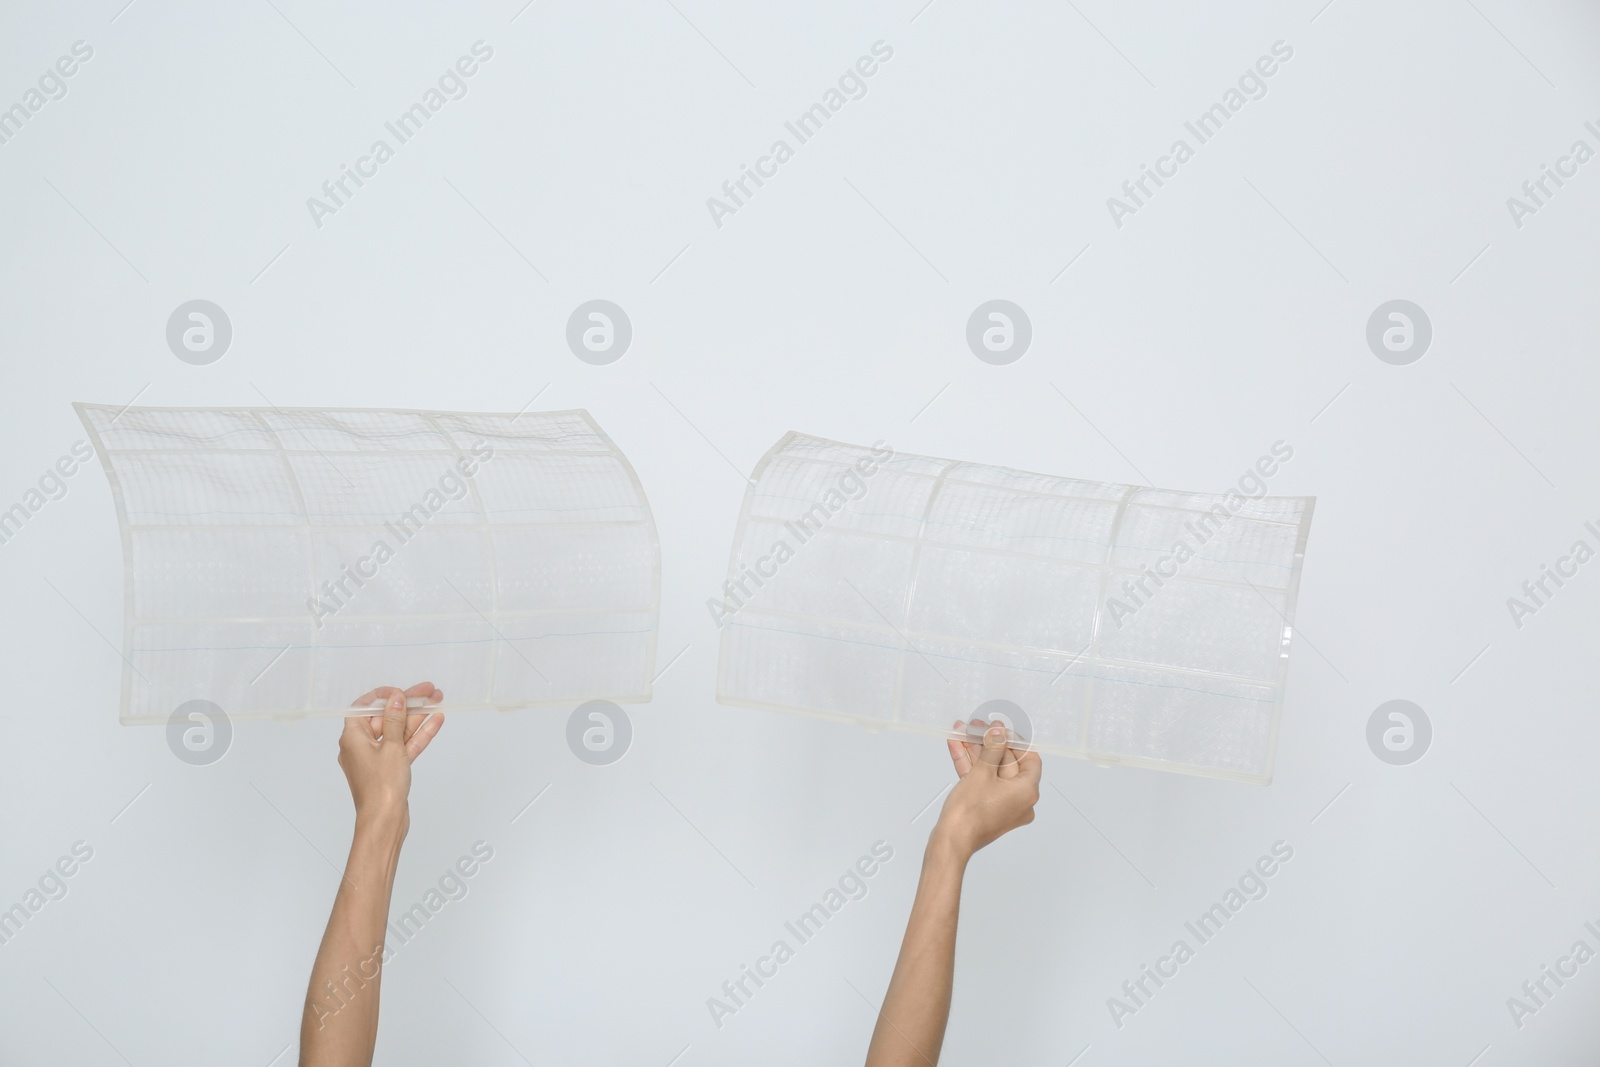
[282, 562]
[1129, 624]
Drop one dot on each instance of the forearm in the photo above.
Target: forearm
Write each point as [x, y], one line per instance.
[910, 1028]
[340, 1025]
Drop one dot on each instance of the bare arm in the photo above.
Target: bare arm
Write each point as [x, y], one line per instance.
[996, 793]
[340, 1025]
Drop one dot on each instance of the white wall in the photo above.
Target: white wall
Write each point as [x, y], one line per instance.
[1227, 314]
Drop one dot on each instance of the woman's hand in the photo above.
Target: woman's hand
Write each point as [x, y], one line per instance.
[996, 792]
[376, 752]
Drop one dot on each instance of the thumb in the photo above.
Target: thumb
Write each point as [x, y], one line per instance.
[994, 749]
[394, 720]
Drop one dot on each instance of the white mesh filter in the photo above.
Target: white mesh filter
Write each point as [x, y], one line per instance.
[906, 591]
[283, 562]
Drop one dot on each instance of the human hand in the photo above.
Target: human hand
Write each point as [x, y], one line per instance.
[376, 752]
[996, 792]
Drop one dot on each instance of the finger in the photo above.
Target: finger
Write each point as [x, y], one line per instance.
[1008, 758]
[366, 700]
[1030, 767]
[1008, 762]
[354, 728]
[430, 695]
[974, 748]
[958, 752]
[426, 732]
[394, 720]
[994, 748]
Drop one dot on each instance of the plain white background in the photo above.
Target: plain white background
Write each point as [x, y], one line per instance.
[1227, 314]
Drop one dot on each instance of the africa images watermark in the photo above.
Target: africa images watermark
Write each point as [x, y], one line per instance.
[852, 885]
[453, 885]
[52, 887]
[52, 86]
[336, 594]
[1565, 570]
[1252, 485]
[1252, 885]
[1537, 191]
[1252, 85]
[452, 85]
[852, 85]
[851, 485]
[52, 485]
[1536, 992]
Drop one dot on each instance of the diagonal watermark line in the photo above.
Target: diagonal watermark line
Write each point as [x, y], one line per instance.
[684, 1051]
[920, 10]
[1479, 1056]
[1296, 229]
[911, 1044]
[702, 834]
[268, 267]
[279, 1056]
[929, 404]
[130, 403]
[96, 629]
[896, 229]
[947, 787]
[308, 41]
[97, 232]
[497, 630]
[1503, 837]
[1514, 48]
[1320, 10]
[1503, 437]
[123, 810]
[303, 837]
[714, 48]
[1322, 810]
[489, 1024]
[269, 666]
[1468, 267]
[703, 437]
[1108, 41]
[1079, 1056]
[1291, 1026]
[529, 404]
[91, 1025]
[1103, 437]
[668, 267]
[498, 232]
[521, 9]
[1296, 631]
[668, 667]
[1329, 404]
[532, 802]
[123, 8]
[1103, 837]
[1077, 658]
[1070, 262]
[1470, 662]
[301, 431]
[893, 627]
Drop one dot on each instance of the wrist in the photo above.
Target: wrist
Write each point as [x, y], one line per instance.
[385, 823]
[947, 849]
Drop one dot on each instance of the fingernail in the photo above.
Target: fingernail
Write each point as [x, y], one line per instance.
[997, 733]
[397, 702]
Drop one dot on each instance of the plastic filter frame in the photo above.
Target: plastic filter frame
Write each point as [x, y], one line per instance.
[1119, 623]
[281, 562]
